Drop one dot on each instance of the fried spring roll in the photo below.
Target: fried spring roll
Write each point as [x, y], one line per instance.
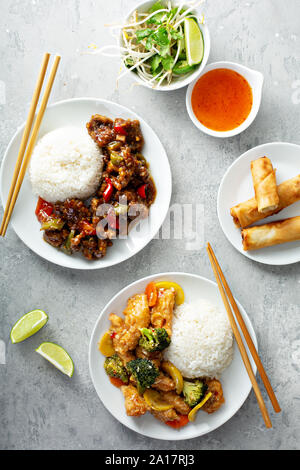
[246, 213]
[275, 233]
[264, 182]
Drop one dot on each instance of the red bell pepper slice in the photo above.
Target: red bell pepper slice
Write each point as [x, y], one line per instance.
[112, 220]
[151, 292]
[107, 194]
[87, 228]
[43, 209]
[142, 191]
[120, 130]
[116, 382]
[183, 421]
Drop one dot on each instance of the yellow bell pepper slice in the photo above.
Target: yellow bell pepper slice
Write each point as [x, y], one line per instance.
[175, 374]
[179, 294]
[106, 345]
[194, 411]
[155, 400]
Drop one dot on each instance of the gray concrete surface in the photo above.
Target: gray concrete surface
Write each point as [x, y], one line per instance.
[39, 407]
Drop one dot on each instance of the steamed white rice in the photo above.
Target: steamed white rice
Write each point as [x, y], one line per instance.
[202, 340]
[66, 163]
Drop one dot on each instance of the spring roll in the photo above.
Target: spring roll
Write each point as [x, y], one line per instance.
[246, 213]
[264, 182]
[275, 233]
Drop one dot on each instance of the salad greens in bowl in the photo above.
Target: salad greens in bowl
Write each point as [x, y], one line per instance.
[165, 44]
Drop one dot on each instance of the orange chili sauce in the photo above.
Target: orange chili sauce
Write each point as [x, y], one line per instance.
[222, 99]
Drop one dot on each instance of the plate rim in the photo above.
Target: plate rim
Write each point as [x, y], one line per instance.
[97, 265]
[233, 164]
[175, 437]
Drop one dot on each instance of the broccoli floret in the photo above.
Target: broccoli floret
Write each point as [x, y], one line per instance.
[154, 339]
[144, 372]
[114, 368]
[194, 392]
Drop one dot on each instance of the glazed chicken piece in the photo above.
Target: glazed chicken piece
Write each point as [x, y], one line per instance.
[126, 357]
[168, 415]
[162, 313]
[155, 357]
[116, 322]
[135, 405]
[137, 312]
[217, 399]
[177, 401]
[137, 315]
[164, 383]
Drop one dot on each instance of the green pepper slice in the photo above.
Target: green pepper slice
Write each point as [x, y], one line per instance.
[115, 158]
[67, 245]
[53, 224]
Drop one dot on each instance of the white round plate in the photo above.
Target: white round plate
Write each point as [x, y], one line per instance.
[237, 186]
[235, 380]
[77, 112]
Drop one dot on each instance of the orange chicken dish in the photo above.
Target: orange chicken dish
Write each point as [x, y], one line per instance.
[134, 348]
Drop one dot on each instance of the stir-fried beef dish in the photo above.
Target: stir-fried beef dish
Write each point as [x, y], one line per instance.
[126, 193]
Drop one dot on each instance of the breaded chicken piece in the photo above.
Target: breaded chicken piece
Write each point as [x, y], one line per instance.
[164, 383]
[137, 312]
[162, 312]
[168, 415]
[126, 357]
[155, 356]
[177, 401]
[137, 315]
[135, 405]
[116, 321]
[217, 399]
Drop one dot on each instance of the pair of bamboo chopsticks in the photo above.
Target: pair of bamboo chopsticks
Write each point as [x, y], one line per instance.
[22, 162]
[220, 278]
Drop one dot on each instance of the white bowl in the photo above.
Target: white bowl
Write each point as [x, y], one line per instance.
[178, 82]
[237, 186]
[235, 380]
[77, 112]
[255, 80]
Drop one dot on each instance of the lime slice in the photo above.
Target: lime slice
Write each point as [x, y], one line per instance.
[58, 357]
[193, 42]
[28, 325]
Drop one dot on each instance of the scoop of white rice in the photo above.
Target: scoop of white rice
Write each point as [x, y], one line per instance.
[202, 340]
[66, 163]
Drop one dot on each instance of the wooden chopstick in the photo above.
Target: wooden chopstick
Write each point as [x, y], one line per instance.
[247, 336]
[32, 142]
[26, 133]
[241, 346]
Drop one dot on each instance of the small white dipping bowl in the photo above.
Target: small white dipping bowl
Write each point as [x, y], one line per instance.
[185, 79]
[255, 80]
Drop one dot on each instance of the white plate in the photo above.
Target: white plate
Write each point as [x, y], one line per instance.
[77, 112]
[237, 186]
[235, 380]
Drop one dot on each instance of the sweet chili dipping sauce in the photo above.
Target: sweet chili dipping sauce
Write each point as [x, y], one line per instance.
[222, 99]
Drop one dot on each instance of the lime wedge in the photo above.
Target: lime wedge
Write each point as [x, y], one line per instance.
[194, 43]
[58, 357]
[28, 325]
